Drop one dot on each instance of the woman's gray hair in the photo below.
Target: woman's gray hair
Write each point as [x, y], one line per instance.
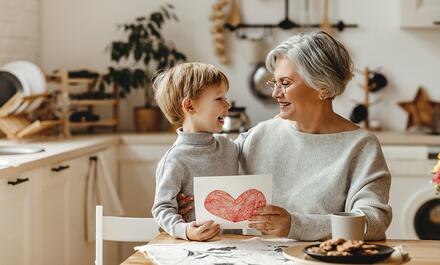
[323, 62]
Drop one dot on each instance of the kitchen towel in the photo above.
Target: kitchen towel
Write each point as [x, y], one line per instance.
[100, 191]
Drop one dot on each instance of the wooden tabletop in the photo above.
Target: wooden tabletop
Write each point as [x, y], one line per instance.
[424, 252]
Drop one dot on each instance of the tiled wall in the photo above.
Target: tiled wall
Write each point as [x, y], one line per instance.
[19, 30]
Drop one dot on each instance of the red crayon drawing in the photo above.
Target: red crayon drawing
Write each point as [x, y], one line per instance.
[221, 204]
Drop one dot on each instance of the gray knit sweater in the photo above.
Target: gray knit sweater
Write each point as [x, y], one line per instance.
[315, 175]
[192, 155]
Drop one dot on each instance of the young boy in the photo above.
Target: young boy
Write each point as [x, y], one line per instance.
[192, 95]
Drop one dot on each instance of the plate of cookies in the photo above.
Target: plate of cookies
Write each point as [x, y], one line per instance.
[339, 251]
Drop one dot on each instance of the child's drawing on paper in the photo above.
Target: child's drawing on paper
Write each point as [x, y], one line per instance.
[231, 200]
[256, 251]
[221, 204]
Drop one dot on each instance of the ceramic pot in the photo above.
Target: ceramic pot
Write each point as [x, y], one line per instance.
[147, 119]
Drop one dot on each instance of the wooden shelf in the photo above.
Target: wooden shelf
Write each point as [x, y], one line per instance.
[93, 102]
[86, 124]
[71, 81]
[68, 85]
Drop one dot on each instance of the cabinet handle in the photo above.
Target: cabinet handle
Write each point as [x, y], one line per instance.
[60, 168]
[18, 181]
[432, 156]
[437, 23]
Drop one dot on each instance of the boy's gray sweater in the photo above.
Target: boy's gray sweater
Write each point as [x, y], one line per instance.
[315, 175]
[192, 155]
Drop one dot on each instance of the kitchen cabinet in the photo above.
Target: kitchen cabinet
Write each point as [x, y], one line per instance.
[137, 169]
[17, 194]
[42, 219]
[54, 208]
[420, 14]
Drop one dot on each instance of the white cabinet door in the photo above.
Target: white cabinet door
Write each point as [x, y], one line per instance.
[16, 219]
[137, 165]
[62, 238]
[420, 13]
[79, 250]
[53, 241]
[137, 170]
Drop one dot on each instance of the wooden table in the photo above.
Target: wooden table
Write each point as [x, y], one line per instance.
[423, 252]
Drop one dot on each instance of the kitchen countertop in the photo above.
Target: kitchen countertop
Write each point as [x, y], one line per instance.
[56, 151]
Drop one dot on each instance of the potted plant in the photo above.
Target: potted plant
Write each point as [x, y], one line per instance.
[144, 52]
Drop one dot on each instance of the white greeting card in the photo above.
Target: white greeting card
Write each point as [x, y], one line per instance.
[230, 200]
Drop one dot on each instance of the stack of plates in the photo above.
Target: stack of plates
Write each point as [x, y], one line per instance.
[24, 77]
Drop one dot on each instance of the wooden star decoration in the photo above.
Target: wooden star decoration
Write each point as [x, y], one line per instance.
[420, 110]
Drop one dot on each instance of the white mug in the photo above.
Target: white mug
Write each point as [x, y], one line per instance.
[348, 225]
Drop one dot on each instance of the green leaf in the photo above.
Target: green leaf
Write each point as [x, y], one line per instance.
[154, 31]
[165, 12]
[138, 52]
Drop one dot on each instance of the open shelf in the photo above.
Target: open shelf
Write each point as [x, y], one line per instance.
[71, 85]
[85, 124]
[93, 102]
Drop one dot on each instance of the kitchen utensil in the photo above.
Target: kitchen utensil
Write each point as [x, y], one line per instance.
[376, 81]
[14, 69]
[9, 85]
[237, 120]
[234, 15]
[359, 113]
[325, 22]
[32, 79]
[258, 82]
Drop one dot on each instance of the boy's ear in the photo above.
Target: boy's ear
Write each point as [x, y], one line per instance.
[187, 105]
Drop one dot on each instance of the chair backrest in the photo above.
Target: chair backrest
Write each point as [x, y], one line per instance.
[127, 229]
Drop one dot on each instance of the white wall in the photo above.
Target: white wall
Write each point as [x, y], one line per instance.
[75, 33]
[19, 30]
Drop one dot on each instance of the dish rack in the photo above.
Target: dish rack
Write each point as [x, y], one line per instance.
[67, 85]
[15, 121]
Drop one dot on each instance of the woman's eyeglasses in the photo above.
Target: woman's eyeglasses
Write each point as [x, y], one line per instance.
[274, 86]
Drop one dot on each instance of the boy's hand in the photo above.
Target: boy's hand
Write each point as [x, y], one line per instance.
[202, 232]
[183, 205]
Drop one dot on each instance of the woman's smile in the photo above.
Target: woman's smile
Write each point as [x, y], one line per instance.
[284, 104]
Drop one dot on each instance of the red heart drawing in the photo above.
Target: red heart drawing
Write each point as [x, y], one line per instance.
[221, 204]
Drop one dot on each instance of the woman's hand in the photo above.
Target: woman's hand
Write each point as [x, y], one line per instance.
[202, 232]
[183, 207]
[271, 220]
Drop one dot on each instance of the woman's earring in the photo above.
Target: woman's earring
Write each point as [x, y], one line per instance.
[323, 94]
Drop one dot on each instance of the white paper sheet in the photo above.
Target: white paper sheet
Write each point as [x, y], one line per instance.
[253, 251]
[229, 200]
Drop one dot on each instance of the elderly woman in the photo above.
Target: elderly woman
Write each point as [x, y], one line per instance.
[321, 163]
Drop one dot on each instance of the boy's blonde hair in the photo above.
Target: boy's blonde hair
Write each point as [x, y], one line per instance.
[186, 80]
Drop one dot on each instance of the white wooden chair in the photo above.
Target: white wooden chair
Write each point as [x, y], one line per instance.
[126, 229]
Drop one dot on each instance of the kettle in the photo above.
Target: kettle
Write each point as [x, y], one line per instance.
[237, 120]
